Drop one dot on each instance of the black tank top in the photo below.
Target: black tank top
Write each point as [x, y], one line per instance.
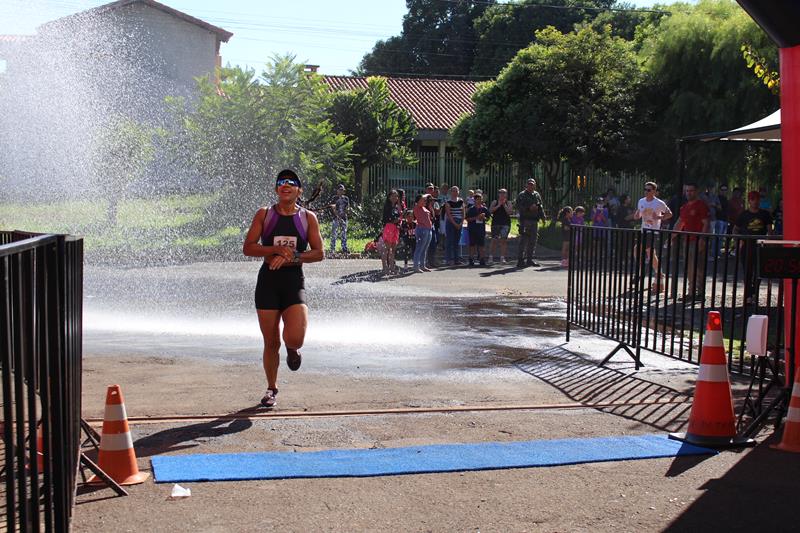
[501, 217]
[286, 234]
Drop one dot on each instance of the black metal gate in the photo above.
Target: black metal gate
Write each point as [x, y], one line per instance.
[652, 290]
[41, 298]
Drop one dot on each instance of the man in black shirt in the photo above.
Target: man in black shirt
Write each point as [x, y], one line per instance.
[753, 221]
[500, 211]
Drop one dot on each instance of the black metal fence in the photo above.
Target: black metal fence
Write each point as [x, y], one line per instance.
[652, 289]
[41, 290]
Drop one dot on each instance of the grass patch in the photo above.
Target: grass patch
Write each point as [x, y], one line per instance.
[170, 225]
[143, 224]
[56, 217]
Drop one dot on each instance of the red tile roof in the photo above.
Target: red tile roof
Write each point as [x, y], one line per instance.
[435, 104]
[224, 35]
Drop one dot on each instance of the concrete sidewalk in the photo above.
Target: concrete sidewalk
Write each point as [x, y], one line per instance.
[650, 495]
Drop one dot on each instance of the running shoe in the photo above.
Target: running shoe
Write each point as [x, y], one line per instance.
[270, 398]
[293, 359]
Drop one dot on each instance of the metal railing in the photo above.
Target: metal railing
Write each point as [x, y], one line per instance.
[652, 290]
[41, 292]
[571, 187]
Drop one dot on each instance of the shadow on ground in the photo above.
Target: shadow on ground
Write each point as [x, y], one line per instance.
[759, 493]
[583, 381]
[183, 437]
[370, 276]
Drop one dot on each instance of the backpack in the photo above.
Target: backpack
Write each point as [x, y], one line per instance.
[300, 221]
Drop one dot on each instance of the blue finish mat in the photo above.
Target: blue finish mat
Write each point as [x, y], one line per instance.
[415, 459]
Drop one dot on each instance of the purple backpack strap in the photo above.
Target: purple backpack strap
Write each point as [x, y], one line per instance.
[270, 221]
[301, 223]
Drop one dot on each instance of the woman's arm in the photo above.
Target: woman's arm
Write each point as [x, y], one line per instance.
[316, 253]
[251, 246]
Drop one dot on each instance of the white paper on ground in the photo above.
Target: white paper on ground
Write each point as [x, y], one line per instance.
[179, 492]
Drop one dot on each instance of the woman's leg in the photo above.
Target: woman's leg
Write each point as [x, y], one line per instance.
[268, 322]
[428, 235]
[419, 247]
[390, 257]
[503, 246]
[448, 242]
[457, 246]
[295, 322]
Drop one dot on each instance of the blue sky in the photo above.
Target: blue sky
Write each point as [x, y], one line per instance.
[334, 34]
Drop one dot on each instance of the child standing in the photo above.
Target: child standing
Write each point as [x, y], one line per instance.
[578, 215]
[565, 217]
[407, 227]
[578, 220]
[392, 213]
[476, 225]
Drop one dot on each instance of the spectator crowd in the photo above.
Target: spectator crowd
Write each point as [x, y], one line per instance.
[439, 224]
[441, 221]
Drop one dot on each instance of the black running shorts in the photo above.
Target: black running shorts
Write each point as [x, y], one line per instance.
[477, 235]
[279, 289]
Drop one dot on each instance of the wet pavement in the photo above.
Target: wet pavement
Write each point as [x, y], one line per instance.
[357, 323]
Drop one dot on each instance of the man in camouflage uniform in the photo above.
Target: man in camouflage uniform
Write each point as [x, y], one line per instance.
[530, 209]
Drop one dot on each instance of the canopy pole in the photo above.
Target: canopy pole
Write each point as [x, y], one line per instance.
[790, 149]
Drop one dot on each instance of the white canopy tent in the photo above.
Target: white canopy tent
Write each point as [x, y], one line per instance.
[768, 129]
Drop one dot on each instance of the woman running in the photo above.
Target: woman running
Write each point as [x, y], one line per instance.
[289, 236]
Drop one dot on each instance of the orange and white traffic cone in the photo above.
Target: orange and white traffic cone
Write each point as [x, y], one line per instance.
[791, 427]
[117, 457]
[712, 422]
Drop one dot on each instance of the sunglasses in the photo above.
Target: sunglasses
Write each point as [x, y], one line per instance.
[649, 190]
[287, 181]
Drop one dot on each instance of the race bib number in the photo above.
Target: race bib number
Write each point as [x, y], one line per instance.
[280, 240]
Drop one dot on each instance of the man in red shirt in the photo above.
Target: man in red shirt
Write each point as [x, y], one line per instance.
[695, 218]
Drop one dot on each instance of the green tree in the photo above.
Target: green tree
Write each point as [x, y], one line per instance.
[240, 133]
[504, 29]
[761, 68]
[121, 155]
[567, 97]
[380, 130]
[696, 82]
[438, 39]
